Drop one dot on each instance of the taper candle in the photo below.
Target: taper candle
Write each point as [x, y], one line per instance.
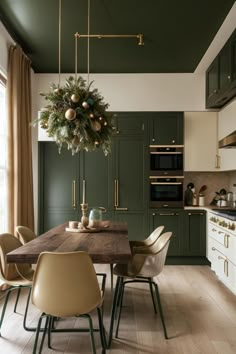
[84, 191]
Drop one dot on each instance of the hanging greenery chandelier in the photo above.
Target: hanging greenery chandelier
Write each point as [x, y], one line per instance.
[77, 116]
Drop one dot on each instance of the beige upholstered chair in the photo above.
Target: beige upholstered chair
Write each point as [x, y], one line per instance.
[135, 245]
[66, 285]
[143, 268]
[17, 277]
[25, 234]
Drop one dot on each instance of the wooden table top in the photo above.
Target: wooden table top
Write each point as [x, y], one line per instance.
[111, 245]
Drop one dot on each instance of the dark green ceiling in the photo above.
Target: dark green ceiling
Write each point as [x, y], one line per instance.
[177, 33]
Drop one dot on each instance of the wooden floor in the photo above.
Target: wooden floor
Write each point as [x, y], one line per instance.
[200, 315]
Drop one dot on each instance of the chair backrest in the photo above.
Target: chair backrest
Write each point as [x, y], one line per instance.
[8, 271]
[154, 236]
[154, 262]
[25, 234]
[65, 284]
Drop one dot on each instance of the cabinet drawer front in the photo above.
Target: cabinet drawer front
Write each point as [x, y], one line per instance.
[225, 240]
[223, 267]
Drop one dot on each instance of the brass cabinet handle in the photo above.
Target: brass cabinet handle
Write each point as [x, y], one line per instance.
[226, 265]
[195, 213]
[166, 214]
[220, 232]
[217, 163]
[213, 248]
[115, 193]
[117, 197]
[226, 240]
[73, 194]
[214, 230]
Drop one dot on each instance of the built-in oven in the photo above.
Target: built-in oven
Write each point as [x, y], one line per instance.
[166, 192]
[166, 160]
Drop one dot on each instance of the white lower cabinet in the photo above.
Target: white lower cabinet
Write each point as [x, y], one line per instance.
[221, 249]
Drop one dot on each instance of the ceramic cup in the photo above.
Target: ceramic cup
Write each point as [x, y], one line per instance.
[73, 224]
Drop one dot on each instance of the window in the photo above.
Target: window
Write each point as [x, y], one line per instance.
[3, 157]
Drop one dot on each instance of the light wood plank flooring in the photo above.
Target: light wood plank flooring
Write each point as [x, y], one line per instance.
[200, 315]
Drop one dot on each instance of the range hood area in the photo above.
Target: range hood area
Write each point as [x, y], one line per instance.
[228, 142]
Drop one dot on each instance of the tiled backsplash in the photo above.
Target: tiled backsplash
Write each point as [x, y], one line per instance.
[214, 181]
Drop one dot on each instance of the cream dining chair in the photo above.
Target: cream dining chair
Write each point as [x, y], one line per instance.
[149, 241]
[142, 269]
[15, 276]
[77, 295]
[25, 234]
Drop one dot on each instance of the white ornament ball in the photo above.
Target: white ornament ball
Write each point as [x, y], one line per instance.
[100, 118]
[105, 123]
[85, 105]
[57, 90]
[96, 126]
[91, 115]
[70, 114]
[74, 98]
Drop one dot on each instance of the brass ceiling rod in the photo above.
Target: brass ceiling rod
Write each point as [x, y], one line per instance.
[99, 36]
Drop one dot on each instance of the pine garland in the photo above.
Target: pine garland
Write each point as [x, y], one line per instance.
[77, 116]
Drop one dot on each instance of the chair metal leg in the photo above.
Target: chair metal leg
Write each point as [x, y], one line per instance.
[102, 331]
[160, 309]
[50, 326]
[9, 291]
[152, 294]
[26, 311]
[122, 288]
[37, 334]
[17, 298]
[91, 333]
[44, 333]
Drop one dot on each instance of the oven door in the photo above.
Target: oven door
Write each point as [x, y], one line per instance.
[166, 163]
[166, 193]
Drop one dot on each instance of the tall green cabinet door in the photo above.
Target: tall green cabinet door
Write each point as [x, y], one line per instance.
[58, 186]
[166, 128]
[172, 221]
[129, 173]
[95, 168]
[194, 233]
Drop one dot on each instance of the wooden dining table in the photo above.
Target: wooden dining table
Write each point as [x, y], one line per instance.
[108, 245]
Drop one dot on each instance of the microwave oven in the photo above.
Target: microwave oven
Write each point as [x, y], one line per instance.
[166, 192]
[166, 160]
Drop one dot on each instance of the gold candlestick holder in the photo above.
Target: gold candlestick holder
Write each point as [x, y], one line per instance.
[84, 218]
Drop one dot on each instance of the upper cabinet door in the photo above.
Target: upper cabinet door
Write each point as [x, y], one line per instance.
[233, 61]
[201, 141]
[166, 128]
[212, 82]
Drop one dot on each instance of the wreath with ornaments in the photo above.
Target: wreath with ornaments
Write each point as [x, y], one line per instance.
[77, 117]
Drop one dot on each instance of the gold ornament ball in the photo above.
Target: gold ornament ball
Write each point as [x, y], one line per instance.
[85, 105]
[57, 90]
[70, 114]
[96, 126]
[74, 98]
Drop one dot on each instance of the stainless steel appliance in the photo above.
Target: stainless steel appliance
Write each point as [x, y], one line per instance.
[166, 160]
[166, 192]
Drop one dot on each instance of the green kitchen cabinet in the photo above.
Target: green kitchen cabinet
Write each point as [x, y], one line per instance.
[194, 233]
[166, 128]
[129, 181]
[212, 82]
[59, 187]
[172, 220]
[61, 184]
[221, 76]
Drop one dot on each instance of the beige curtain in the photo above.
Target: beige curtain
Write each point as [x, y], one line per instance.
[20, 146]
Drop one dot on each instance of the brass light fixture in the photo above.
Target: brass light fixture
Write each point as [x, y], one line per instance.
[76, 115]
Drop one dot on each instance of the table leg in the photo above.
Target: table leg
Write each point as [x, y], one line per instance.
[111, 272]
[113, 310]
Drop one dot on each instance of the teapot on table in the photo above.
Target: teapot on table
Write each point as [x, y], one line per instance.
[95, 217]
